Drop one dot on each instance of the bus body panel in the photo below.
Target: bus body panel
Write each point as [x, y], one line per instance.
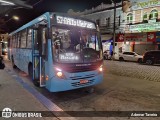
[48, 66]
[22, 58]
[57, 84]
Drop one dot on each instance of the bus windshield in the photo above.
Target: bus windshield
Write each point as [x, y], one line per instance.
[75, 45]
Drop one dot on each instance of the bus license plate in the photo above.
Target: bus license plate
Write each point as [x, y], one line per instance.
[83, 81]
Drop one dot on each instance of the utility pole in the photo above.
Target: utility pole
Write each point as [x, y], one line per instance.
[114, 29]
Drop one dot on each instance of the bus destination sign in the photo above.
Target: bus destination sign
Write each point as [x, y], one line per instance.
[75, 22]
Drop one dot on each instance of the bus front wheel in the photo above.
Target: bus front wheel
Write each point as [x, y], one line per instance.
[35, 80]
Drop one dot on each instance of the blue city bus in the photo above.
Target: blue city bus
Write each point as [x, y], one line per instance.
[59, 52]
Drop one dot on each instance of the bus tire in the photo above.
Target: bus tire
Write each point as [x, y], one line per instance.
[30, 71]
[13, 65]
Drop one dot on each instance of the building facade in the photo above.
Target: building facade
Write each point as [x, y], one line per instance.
[137, 25]
[141, 25]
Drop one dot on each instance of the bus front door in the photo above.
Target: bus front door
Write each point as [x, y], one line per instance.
[39, 42]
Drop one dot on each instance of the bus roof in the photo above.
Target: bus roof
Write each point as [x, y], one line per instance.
[46, 16]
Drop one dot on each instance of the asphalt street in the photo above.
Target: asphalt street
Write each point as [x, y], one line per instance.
[127, 86]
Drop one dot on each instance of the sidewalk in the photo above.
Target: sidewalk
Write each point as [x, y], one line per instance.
[15, 97]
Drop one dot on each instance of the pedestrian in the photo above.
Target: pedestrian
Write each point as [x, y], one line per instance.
[111, 55]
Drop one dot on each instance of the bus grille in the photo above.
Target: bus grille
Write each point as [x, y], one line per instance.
[78, 84]
[80, 69]
[83, 77]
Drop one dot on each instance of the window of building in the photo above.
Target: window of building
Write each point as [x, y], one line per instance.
[130, 18]
[118, 21]
[145, 16]
[98, 22]
[108, 22]
[153, 14]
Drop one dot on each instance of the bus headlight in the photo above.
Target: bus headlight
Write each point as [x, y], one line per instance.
[101, 68]
[59, 73]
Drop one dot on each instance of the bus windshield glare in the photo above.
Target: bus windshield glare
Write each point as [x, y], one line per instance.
[75, 45]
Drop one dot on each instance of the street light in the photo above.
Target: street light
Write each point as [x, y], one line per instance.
[15, 18]
[114, 28]
[6, 2]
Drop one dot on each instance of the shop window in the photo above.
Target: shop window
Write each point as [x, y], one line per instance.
[130, 18]
[153, 14]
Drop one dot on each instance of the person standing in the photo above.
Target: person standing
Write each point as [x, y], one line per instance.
[111, 55]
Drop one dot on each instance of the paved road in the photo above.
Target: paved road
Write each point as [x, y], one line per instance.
[135, 70]
[127, 86]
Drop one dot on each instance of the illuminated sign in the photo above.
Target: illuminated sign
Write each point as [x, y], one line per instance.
[68, 57]
[141, 37]
[75, 22]
[146, 4]
[129, 5]
[145, 27]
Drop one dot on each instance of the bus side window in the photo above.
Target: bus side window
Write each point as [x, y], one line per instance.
[35, 44]
[29, 38]
[23, 39]
[44, 40]
[40, 39]
[18, 39]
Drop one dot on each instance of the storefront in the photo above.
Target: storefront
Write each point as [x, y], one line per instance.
[107, 41]
[137, 42]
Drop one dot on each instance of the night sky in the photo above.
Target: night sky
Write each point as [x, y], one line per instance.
[64, 5]
[27, 15]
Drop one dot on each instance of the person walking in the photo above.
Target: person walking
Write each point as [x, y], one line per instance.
[111, 55]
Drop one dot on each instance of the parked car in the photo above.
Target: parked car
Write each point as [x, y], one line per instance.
[130, 56]
[106, 55]
[151, 57]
